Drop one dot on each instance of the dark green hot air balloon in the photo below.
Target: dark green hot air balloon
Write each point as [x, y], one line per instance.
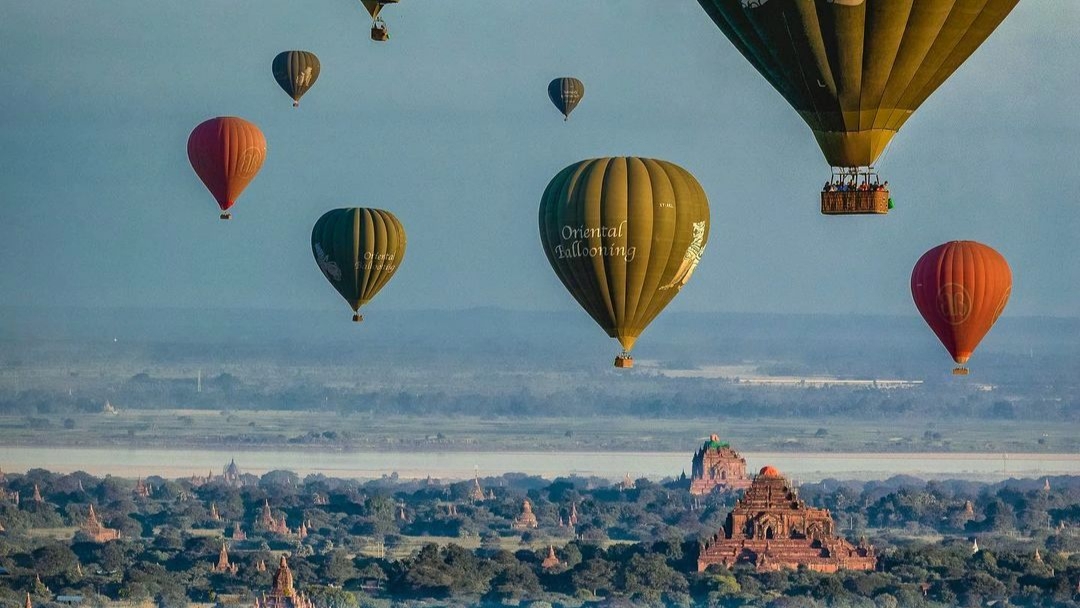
[566, 94]
[296, 72]
[358, 250]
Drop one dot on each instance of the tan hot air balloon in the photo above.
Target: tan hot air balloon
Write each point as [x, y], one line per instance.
[856, 70]
[358, 251]
[624, 235]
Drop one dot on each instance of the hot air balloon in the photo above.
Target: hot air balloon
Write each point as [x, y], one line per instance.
[296, 72]
[624, 235]
[856, 70]
[358, 250]
[566, 93]
[961, 289]
[379, 31]
[226, 153]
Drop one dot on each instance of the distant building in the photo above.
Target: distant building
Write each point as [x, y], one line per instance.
[772, 529]
[214, 515]
[527, 520]
[476, 494]
[223, 564]
[551, 561]
[37, 495]
[237, 532]
[283, 595]
[718, 467]
[269, 524]
[627, 483]
[231, 474]
[141, 489]
[96, 531]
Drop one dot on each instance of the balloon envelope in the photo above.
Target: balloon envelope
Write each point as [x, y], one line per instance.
[374, 7]
[856, 70]
[296, 72]
[961, 289]
[566, 93]
[226, 153]
[624, 235]
[358, 250]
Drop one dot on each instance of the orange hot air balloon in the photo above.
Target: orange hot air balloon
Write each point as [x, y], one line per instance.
[226, 153]
[961, 289]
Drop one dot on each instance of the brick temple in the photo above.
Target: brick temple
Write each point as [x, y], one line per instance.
[96, 531]
[718, 467]
[772, 529]
[283, 595]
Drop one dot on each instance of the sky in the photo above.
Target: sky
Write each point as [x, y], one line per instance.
[449, 127]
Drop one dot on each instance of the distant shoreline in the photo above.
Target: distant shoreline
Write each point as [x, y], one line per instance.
[419, 464]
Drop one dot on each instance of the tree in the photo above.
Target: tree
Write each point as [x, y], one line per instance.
[594, 575]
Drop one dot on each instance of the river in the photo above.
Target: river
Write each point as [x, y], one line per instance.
[461, 465]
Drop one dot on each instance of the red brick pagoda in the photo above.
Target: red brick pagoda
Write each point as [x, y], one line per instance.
[772, 529]
[718, 467]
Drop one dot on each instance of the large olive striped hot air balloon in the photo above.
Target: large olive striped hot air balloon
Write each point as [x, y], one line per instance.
[358, 250]
[961, 289]
[856, 70]
[566, 94]
[226, 153]
[296, 72]
[624, 235]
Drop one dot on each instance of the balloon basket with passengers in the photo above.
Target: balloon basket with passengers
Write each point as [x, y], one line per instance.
[379, 31]
[855, 191]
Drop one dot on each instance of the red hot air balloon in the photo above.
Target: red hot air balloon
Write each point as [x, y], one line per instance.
[961, 289]
[226, 153]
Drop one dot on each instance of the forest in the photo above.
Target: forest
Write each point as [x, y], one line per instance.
[427, 542]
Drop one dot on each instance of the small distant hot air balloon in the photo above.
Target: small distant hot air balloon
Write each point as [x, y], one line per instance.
[856, 70]
[358, 250]
[624, 235]
[379, 31]
[226, 153]
[566, 94]
[296, 72]
[961, 289]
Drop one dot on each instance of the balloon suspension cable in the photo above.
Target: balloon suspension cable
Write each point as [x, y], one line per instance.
[960, 370]
[225, 215]
[357, 318]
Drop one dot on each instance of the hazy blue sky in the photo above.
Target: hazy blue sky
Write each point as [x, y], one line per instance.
[449, 127]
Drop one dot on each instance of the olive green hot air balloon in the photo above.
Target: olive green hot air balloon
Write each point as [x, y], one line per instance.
[856, 70]
[358, 250]
[624, 235]
[566, 94]
[296, 72]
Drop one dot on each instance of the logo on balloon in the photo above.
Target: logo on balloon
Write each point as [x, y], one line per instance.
[954, 303]
[250, 161]
[328, 266]
[1001, 305]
